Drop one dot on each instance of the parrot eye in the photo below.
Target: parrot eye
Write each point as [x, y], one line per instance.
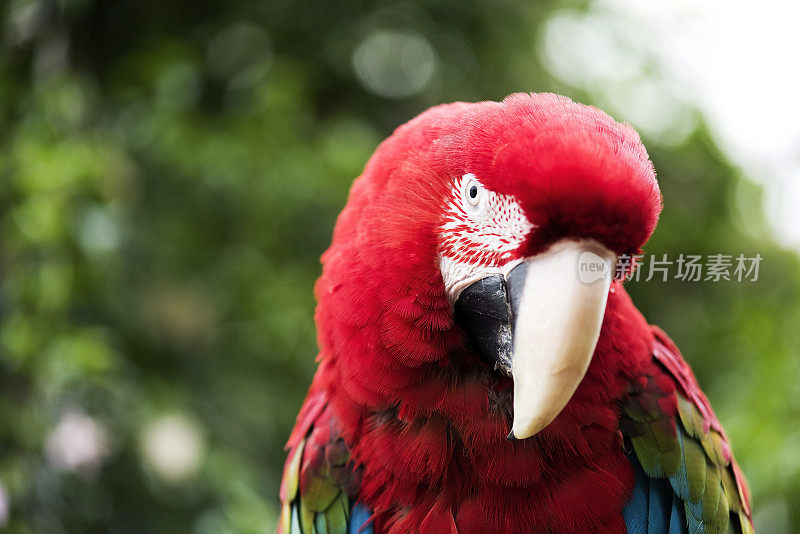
[472, 190]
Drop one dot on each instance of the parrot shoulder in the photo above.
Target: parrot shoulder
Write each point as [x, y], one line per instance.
[320, 481]
[686, 477]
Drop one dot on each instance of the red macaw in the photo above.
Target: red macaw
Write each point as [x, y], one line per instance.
[480, 368]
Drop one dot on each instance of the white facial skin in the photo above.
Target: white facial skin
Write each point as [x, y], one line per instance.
[481, 231]
[560, 315]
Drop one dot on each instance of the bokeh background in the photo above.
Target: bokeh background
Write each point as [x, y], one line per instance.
[170, 173]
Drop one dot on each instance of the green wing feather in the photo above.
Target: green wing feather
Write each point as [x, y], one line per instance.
[317, 506]
[317, 479]
[290, 483]
[683, 449]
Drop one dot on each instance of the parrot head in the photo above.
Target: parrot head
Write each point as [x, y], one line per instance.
[489, 230]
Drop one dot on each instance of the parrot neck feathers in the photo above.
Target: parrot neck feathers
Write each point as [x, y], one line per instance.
[434, 427]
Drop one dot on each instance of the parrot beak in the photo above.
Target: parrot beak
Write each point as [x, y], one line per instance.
[558, 314]
[539, 324]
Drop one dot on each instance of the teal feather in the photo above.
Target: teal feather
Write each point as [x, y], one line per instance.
[296, 520]
[320, 525]
[680, 480]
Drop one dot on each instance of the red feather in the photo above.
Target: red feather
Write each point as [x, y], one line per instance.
[419, 412]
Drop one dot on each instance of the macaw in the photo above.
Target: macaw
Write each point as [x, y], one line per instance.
[481, 367]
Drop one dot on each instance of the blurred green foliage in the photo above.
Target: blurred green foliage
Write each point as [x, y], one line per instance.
[170, 174]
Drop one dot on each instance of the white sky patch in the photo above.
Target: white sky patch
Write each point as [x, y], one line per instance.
[646, 60]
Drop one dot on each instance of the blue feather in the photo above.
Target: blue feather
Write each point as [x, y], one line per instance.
[654, 508]
[661, 498]
[677, 519]
[635, 512]
[359, 516]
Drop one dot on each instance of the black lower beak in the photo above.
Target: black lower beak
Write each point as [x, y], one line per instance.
[485, 310]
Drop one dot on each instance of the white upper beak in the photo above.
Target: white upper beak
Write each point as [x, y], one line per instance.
[557, 326]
